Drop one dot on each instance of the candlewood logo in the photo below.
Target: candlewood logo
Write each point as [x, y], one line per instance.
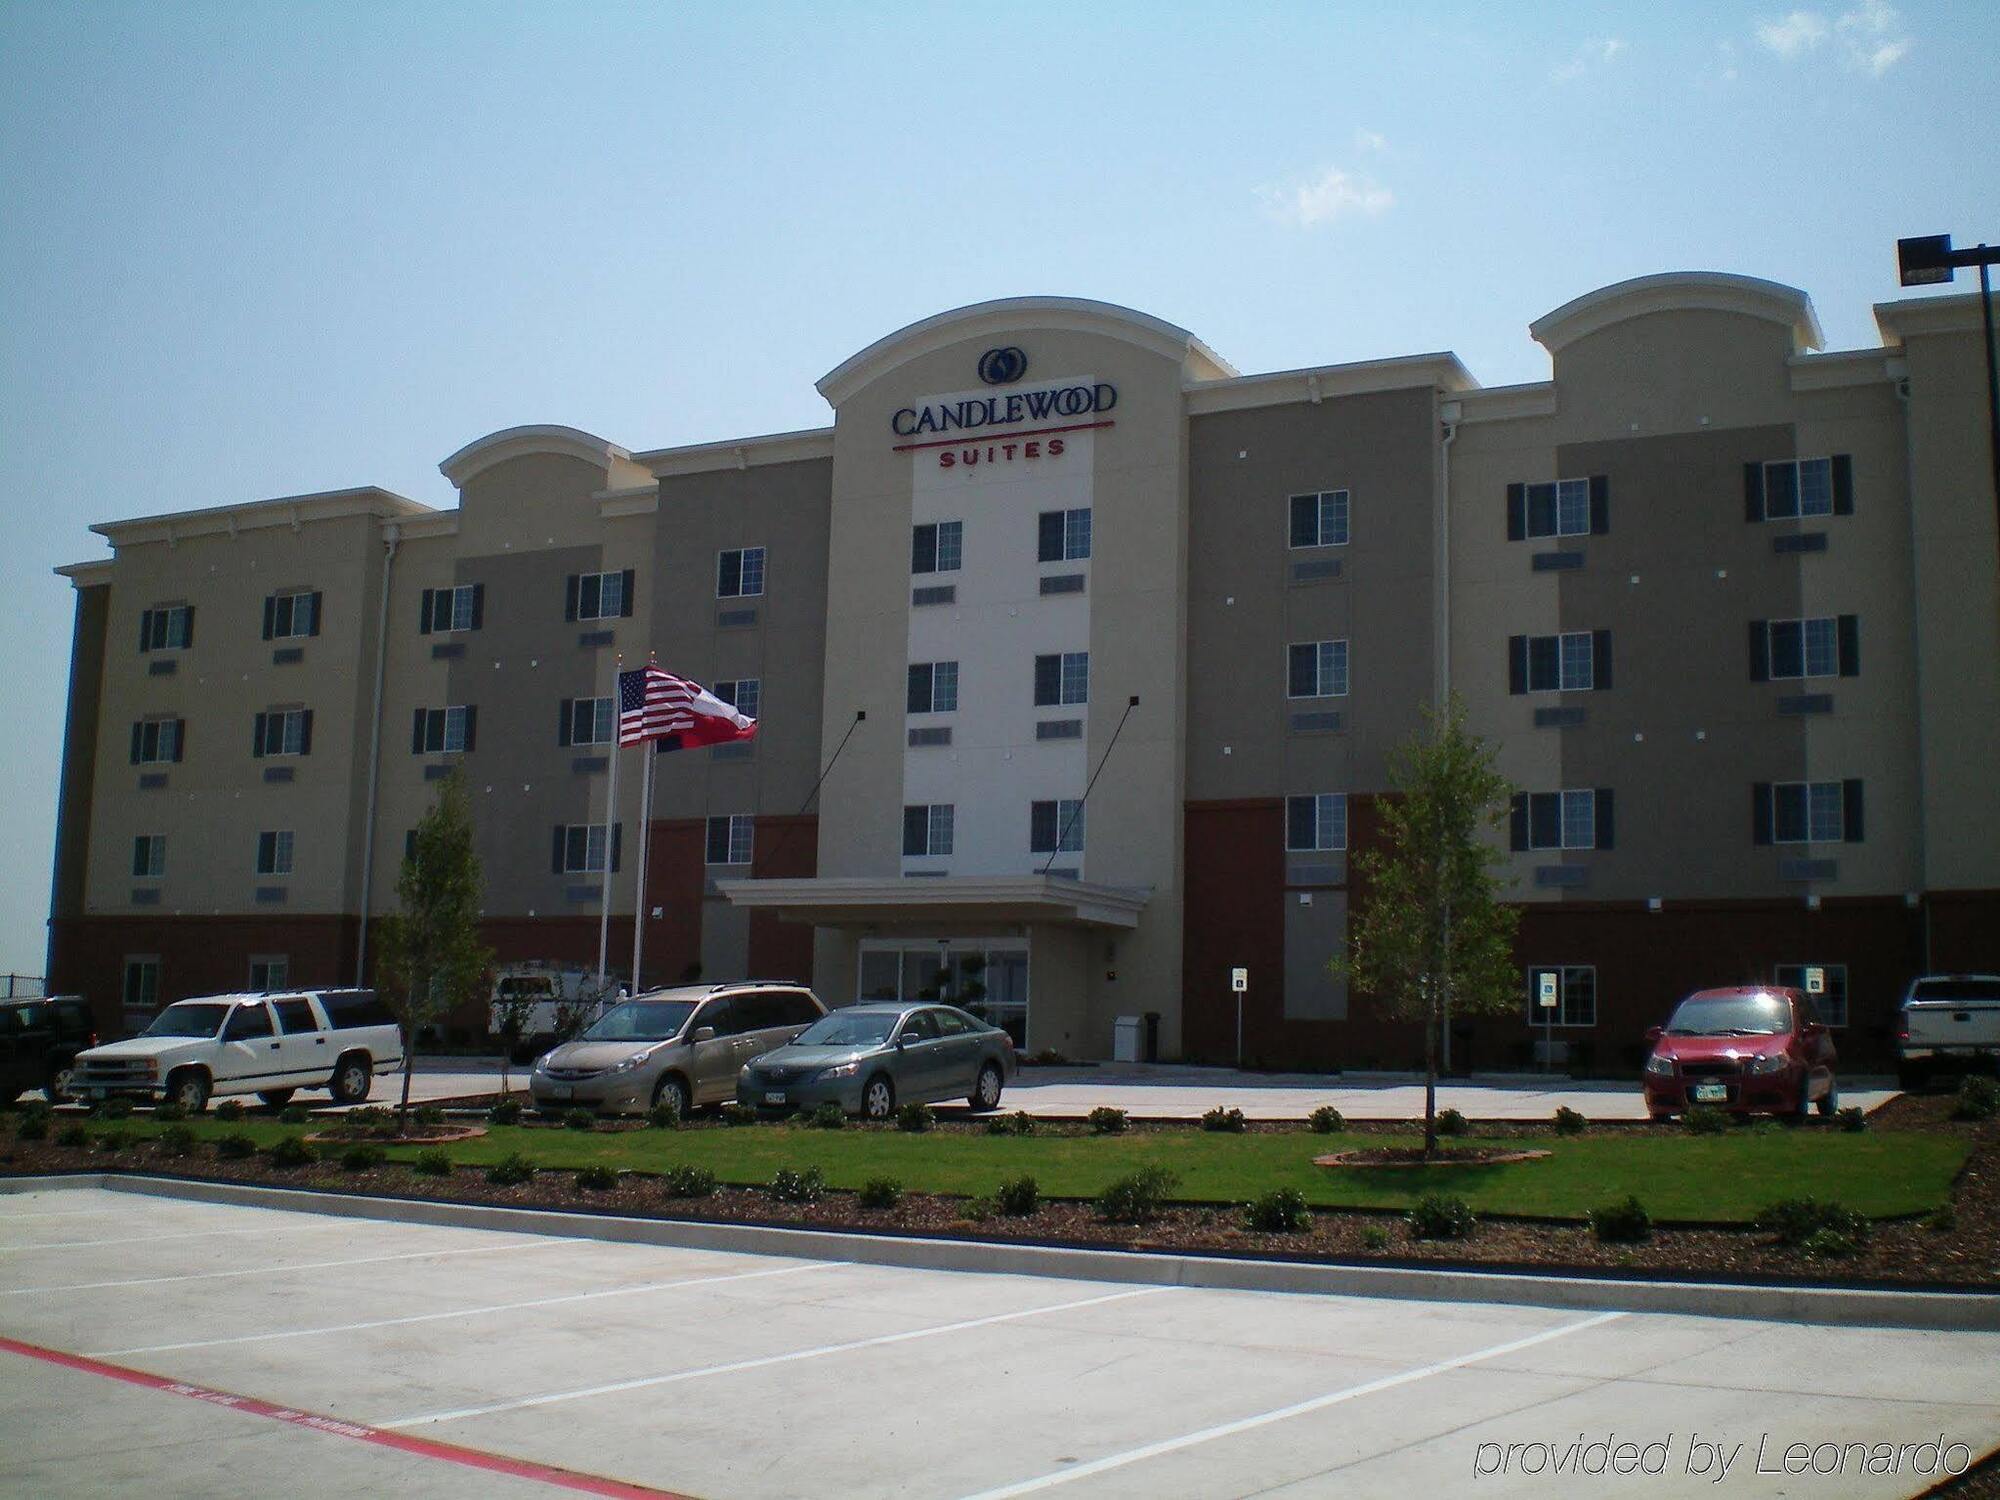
[1002, 366]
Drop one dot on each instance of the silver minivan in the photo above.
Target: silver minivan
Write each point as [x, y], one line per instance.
[684, 1046]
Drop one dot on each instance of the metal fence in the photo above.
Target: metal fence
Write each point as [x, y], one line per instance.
[24, 986]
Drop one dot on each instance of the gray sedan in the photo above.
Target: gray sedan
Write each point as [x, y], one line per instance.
[868, 1059]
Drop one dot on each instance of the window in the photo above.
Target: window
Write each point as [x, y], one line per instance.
[282, 731]
[1830, 1004]
[1559, 507]
[1574, 662]
[729, 839]
[744, 694]
[740, 573]
[1063, 535]
[585, 721]
[290, 615]
[1824, 646]
[1319, 520]
[273, 971]
[927, 830]
[1806, 812]
[142, 982]
[1799, 487]
[1056, 827]
[598, 596]
[933, 687]
[460, 608]
[350, 1008]
[1576, 992]
[445, 731]
[158, 741]
[149, 856]
[1317, 669]
[585, 849]
[1561, 820]
[167, 627]
[249, 1021]
[937, 548]
[295, 1017]
[1316, 824]
[1062, 679]
[274, 853]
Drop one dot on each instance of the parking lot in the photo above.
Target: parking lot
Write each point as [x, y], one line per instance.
[461, 1361]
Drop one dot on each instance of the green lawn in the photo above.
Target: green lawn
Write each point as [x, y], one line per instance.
[1715, 1179]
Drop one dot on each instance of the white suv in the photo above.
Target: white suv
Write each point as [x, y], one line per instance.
[267, 1045]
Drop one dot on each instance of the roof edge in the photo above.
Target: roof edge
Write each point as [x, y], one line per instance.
[1680, 291]
[481, 454]
[282, 510]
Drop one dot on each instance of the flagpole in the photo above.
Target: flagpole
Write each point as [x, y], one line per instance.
[610, 828]
[645, 825]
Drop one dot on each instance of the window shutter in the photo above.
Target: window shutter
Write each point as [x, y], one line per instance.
[1843, 484]
[1753, 492]
[1041, 827]
[1517, 512]
[1600, 659]
[187, 626]
[145, 630]
[306, 732]
[267, 853]
[139, 856]
[625, 593]
[424, 612]
[1849, 632]
[257, 737]
[1051, 541]
[180, 739]
[1048, 680]
[1760, 812]
[1600, 504]
[923, 549]
[1850, 812]
[918, 700]
[417, 735]
[1517, 822]
[564, 721]
[916, 831]
[471, 724]
[478, 606]
[1605, 823]
[315, 597]
[270, 615]
[1760, 650]
[1517, 664]
[569, 597]
[617, 842]
[138, 740]
[1305, 521]
[1545, 827]
[562, 838]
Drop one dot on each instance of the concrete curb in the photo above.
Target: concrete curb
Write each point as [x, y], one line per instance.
[1854, 1306]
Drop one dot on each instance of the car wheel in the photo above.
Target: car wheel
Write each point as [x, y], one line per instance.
[1829, 1103]
[56, 1090]
[276, 1098]
[189, 1089]
[1802, 1111]
[672, 1090]
[878, 1099]
[353, 1077]
[986, 1090]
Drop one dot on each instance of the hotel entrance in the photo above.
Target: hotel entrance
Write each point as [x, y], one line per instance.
[986, 977]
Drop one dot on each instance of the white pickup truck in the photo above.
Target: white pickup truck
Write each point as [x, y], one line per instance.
[535, 1006]
[267, 1045]
[1950, 1023]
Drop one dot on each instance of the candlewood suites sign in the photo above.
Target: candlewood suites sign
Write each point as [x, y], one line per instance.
[1001, 428]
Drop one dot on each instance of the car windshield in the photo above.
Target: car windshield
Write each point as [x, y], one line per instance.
[641, 1021]
[188, 1020]
[1731, 1015]
[870, 1029]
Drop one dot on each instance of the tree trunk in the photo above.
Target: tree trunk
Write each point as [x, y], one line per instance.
[1431, 1083]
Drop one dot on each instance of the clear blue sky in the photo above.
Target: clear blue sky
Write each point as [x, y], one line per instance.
[254, 250]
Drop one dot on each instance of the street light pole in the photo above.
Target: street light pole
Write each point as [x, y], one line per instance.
[1929, 259]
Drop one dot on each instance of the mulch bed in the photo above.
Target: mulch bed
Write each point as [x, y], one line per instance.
[1413, 1156]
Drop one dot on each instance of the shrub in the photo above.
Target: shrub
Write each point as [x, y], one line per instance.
[1280, 1211]
[1049, 1057]
[1796, 1220]
[1978, 1099]
[367, 1117]
[430, 1114]
[579, 1119]
[1451, 1122]
[1023, 1122]
[829, 1116]
[112, 1140]
[504, 1112]
[880, 1192]
[738, 1114]
[112, 1109]
[1942, 1219]
[432, 1163]
[1439, 1216]
[1830, 1244]
[1374, 1237]
[915, 1118]
[1136, 1199]
[166, 1112]
[1018, 1198]
[1229, 1121]
[1624, 1223]
[1569, 1121]
[235, 1146]
[291, 1114]
[1326, 1120]
[32, 1128]
[33, 1109]
[666, 1115]
[511, 1171]
[1852, 1120]
[365, 1157]
[176, 1140]
[999, 1125]
[228, 1109]
[1104, 1120]
[687, 1182]
[978, 1210]
[73, 1136]
[1705, 1119]
[798, 1187]
[596, 1179]
[293, 1152]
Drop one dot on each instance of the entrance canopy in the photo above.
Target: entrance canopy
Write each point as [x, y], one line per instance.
[963, 899]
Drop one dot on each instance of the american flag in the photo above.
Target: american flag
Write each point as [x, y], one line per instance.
[652, 702]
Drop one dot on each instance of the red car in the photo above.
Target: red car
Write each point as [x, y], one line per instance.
[1756, 1048]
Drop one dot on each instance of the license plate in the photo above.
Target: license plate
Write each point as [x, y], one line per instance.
[774, 1096]
[561, 1091]
[1709, 1093]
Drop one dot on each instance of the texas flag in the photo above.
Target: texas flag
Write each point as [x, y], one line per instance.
[653, 704]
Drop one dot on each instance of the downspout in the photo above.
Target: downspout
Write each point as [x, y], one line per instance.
[1901, 385]
[1448, 415]
[390, 536]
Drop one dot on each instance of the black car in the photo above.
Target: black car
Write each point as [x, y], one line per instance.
[39, 1041]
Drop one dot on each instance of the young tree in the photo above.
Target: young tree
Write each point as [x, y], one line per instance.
[1431, 937]
[431, 956]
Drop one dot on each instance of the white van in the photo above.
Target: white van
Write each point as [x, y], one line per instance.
[537, 1005]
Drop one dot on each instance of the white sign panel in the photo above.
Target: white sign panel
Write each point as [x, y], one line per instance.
[1815, 981]
[1546, 991]
[1239, 980]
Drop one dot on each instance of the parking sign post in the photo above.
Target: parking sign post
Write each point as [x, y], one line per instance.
[1239, 981]
[1547, 996]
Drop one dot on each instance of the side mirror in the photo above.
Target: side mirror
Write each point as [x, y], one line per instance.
[1654, 1033]
[704, 1033]
[902, 1041]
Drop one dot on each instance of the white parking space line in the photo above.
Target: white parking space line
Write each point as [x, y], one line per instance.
[471, 1312]
[646, 1382]
[1284, 1413]
[61, 1213]
[154, 1239]
[311, 1265]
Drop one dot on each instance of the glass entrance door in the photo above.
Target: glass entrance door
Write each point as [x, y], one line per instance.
[987, 979]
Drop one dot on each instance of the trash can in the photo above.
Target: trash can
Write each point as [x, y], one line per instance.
[1125, 1039]
[1152, 1036]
